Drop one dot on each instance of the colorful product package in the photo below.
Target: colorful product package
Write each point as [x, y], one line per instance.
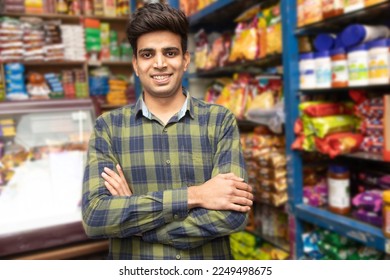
[370, 217]
[323, 126]
[334, 252]
[338, 143]
[372, 179]
[372, 144]
[371, 108]
[335, 239]
[310, 245]
[370, 200]
[322, 108]
[372, 127]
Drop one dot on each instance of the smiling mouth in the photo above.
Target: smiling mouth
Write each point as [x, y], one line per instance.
[161, 77]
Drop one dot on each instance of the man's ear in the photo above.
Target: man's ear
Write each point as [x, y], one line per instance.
[135, 65]
[187, 58]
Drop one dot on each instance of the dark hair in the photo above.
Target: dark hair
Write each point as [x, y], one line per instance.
[155, 17]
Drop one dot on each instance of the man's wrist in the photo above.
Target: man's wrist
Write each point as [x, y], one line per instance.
[193, 197]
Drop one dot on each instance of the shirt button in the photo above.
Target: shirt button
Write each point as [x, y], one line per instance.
[176, 216]
[178, 257]
[165, 130]
[168, 161]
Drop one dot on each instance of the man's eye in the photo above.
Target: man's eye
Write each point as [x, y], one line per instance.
[170, 54]
[146, 55]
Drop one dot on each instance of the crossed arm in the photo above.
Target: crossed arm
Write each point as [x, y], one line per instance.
[229, 191]
[184, 218]
[222, 192]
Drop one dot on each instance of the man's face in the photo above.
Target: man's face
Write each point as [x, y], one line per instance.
[160, 63]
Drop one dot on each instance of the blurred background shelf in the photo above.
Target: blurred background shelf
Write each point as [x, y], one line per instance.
[372, 15]
[365, 233]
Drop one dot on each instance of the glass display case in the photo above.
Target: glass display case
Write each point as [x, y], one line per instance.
[43, 147]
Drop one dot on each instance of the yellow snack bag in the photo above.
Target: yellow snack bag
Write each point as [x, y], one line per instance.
[327, 125]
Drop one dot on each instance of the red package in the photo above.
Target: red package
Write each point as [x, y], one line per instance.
[358, 96]
[298, 143]
[298, 126]
[339, 143]
[329, 109]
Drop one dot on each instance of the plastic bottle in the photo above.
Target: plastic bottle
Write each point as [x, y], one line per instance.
[339, 198]
[339, 68]
[307, 76]
[355, 34]
[324, 41]
[358, 66]
[378, 62]
[323, 69]
[386, 213]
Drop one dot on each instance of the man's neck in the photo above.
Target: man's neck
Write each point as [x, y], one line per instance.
[165, 108]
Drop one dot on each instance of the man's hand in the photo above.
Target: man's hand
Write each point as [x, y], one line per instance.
[116, 184]
[223, 192]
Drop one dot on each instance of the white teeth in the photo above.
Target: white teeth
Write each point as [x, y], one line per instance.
[160, 77]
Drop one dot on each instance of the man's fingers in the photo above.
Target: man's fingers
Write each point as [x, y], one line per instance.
[109, 179]
[244, 194]
[113, 183]
[110, 188]
[239, 208]
[243, 186]
[232, 176]
[120, 172]
[242, 201]
[117, 182]
[112, 174]
[122, 175]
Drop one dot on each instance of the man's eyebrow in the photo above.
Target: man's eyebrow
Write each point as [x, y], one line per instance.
[171, 49]
[145, 50]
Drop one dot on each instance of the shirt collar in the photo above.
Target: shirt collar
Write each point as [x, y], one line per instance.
[140, 107]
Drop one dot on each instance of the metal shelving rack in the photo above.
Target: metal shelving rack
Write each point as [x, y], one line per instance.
[220, 16]
[301, 213]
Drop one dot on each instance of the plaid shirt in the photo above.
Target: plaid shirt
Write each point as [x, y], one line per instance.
[160, 162]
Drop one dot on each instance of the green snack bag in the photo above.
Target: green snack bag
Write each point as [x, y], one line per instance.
[327, 125]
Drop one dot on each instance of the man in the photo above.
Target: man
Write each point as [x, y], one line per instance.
[179, 187]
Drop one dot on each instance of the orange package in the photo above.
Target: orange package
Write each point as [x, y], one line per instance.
[91, 23]
[338, 143]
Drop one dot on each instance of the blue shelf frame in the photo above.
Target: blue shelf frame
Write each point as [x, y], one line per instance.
[291, 102]
[220, 15]
[364, 14]
[210, 9]
[301, 213]
[369, 235]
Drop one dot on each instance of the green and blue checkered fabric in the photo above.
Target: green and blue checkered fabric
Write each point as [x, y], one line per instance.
[160, 162]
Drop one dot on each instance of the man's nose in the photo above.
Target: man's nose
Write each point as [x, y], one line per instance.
[159, 61]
